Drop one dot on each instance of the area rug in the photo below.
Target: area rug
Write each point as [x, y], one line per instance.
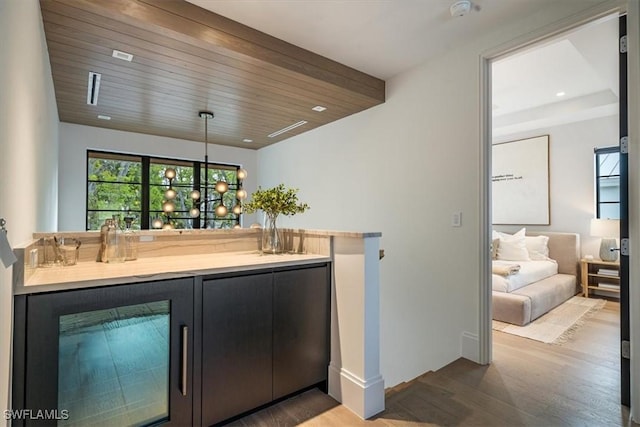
[559, 324]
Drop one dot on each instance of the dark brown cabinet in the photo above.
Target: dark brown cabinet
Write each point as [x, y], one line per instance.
[192, 351]
[265, 336]
[300, 329]
[236, 345]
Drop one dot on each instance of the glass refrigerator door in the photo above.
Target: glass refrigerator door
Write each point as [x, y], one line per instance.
[113, 365]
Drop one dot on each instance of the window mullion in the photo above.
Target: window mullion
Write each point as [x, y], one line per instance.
[144, 215]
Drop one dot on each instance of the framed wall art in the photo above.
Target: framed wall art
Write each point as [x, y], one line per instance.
[520, 182]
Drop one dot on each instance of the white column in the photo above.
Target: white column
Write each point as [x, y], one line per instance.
[354, 372]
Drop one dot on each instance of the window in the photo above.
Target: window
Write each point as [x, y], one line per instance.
[607, 182]
[123, 184]
[114, 185]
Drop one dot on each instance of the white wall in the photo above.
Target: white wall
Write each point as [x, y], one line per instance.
[403, 168]
[571, 175]
[28, 147]
[75, 140]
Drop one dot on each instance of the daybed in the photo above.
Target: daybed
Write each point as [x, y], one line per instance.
[529, 293]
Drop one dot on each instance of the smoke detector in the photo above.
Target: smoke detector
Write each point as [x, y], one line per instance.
[460, 8]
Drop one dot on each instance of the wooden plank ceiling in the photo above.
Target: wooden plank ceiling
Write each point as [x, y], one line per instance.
[187, 59]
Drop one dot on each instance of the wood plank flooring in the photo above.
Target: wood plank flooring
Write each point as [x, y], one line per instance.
[528, 384]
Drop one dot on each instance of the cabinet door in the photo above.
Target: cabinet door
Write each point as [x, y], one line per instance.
[236, 345]
[300, 329]
[117, 355]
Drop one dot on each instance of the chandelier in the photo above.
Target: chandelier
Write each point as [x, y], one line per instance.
[200, 202]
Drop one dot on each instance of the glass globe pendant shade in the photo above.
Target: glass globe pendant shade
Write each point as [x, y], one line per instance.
[157, 223]
[221, 187]
[169, 173]
[242, 173]
[195, 194]
[194, 212]
[237, 226]
[221, 210]
[168, 206]
[170, 194]
[241, 194]
[167, 226]
[237, 209]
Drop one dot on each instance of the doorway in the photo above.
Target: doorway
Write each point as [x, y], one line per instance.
[572, 100]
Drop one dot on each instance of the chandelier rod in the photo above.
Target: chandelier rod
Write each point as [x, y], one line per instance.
[206, 115]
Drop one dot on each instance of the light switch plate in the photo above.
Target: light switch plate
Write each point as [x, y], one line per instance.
[456, 219]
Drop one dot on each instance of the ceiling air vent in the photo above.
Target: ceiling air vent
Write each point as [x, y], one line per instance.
[93, 88]
[287, 129]
[122, 55]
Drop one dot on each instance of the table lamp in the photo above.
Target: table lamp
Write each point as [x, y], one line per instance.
[608, 230]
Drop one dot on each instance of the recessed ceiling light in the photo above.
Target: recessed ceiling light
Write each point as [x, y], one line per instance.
[287, 129]
[247, 140]
[103, 117]
[122, 55]
[319, 108]
[560, 94]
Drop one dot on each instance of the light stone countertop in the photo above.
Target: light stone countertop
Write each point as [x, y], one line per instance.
[90, 274]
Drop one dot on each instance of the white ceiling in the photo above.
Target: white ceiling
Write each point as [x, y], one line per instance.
[583, 64]
[379, 37]
[386, 37]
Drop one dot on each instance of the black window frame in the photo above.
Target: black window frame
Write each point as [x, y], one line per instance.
[598, 176]
[145, 208]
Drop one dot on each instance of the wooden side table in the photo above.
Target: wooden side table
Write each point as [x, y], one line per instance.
[600, 275]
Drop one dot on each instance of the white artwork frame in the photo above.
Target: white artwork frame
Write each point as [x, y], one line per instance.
[520, 182]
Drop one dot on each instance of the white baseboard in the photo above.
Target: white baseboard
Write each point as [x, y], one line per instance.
[364, 397]
[470, 347]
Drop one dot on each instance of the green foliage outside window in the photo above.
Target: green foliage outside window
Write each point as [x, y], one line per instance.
[115, 187]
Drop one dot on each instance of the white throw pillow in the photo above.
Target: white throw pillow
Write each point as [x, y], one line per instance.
[538, 247]
[495, 243]
[513, 247]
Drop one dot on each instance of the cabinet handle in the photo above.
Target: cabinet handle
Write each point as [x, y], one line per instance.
[185, 346]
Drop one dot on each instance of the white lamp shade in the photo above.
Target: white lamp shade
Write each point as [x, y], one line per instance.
[605, 227]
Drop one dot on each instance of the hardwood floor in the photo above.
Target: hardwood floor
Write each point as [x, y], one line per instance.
[529, 383]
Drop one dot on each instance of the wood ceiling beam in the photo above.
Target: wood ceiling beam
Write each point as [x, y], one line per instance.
[191, 24]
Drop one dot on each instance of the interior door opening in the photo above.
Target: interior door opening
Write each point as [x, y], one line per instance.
[552, 105]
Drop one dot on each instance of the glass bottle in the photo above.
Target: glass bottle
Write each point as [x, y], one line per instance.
[104, 240]
[131, 239]
[115, 242]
